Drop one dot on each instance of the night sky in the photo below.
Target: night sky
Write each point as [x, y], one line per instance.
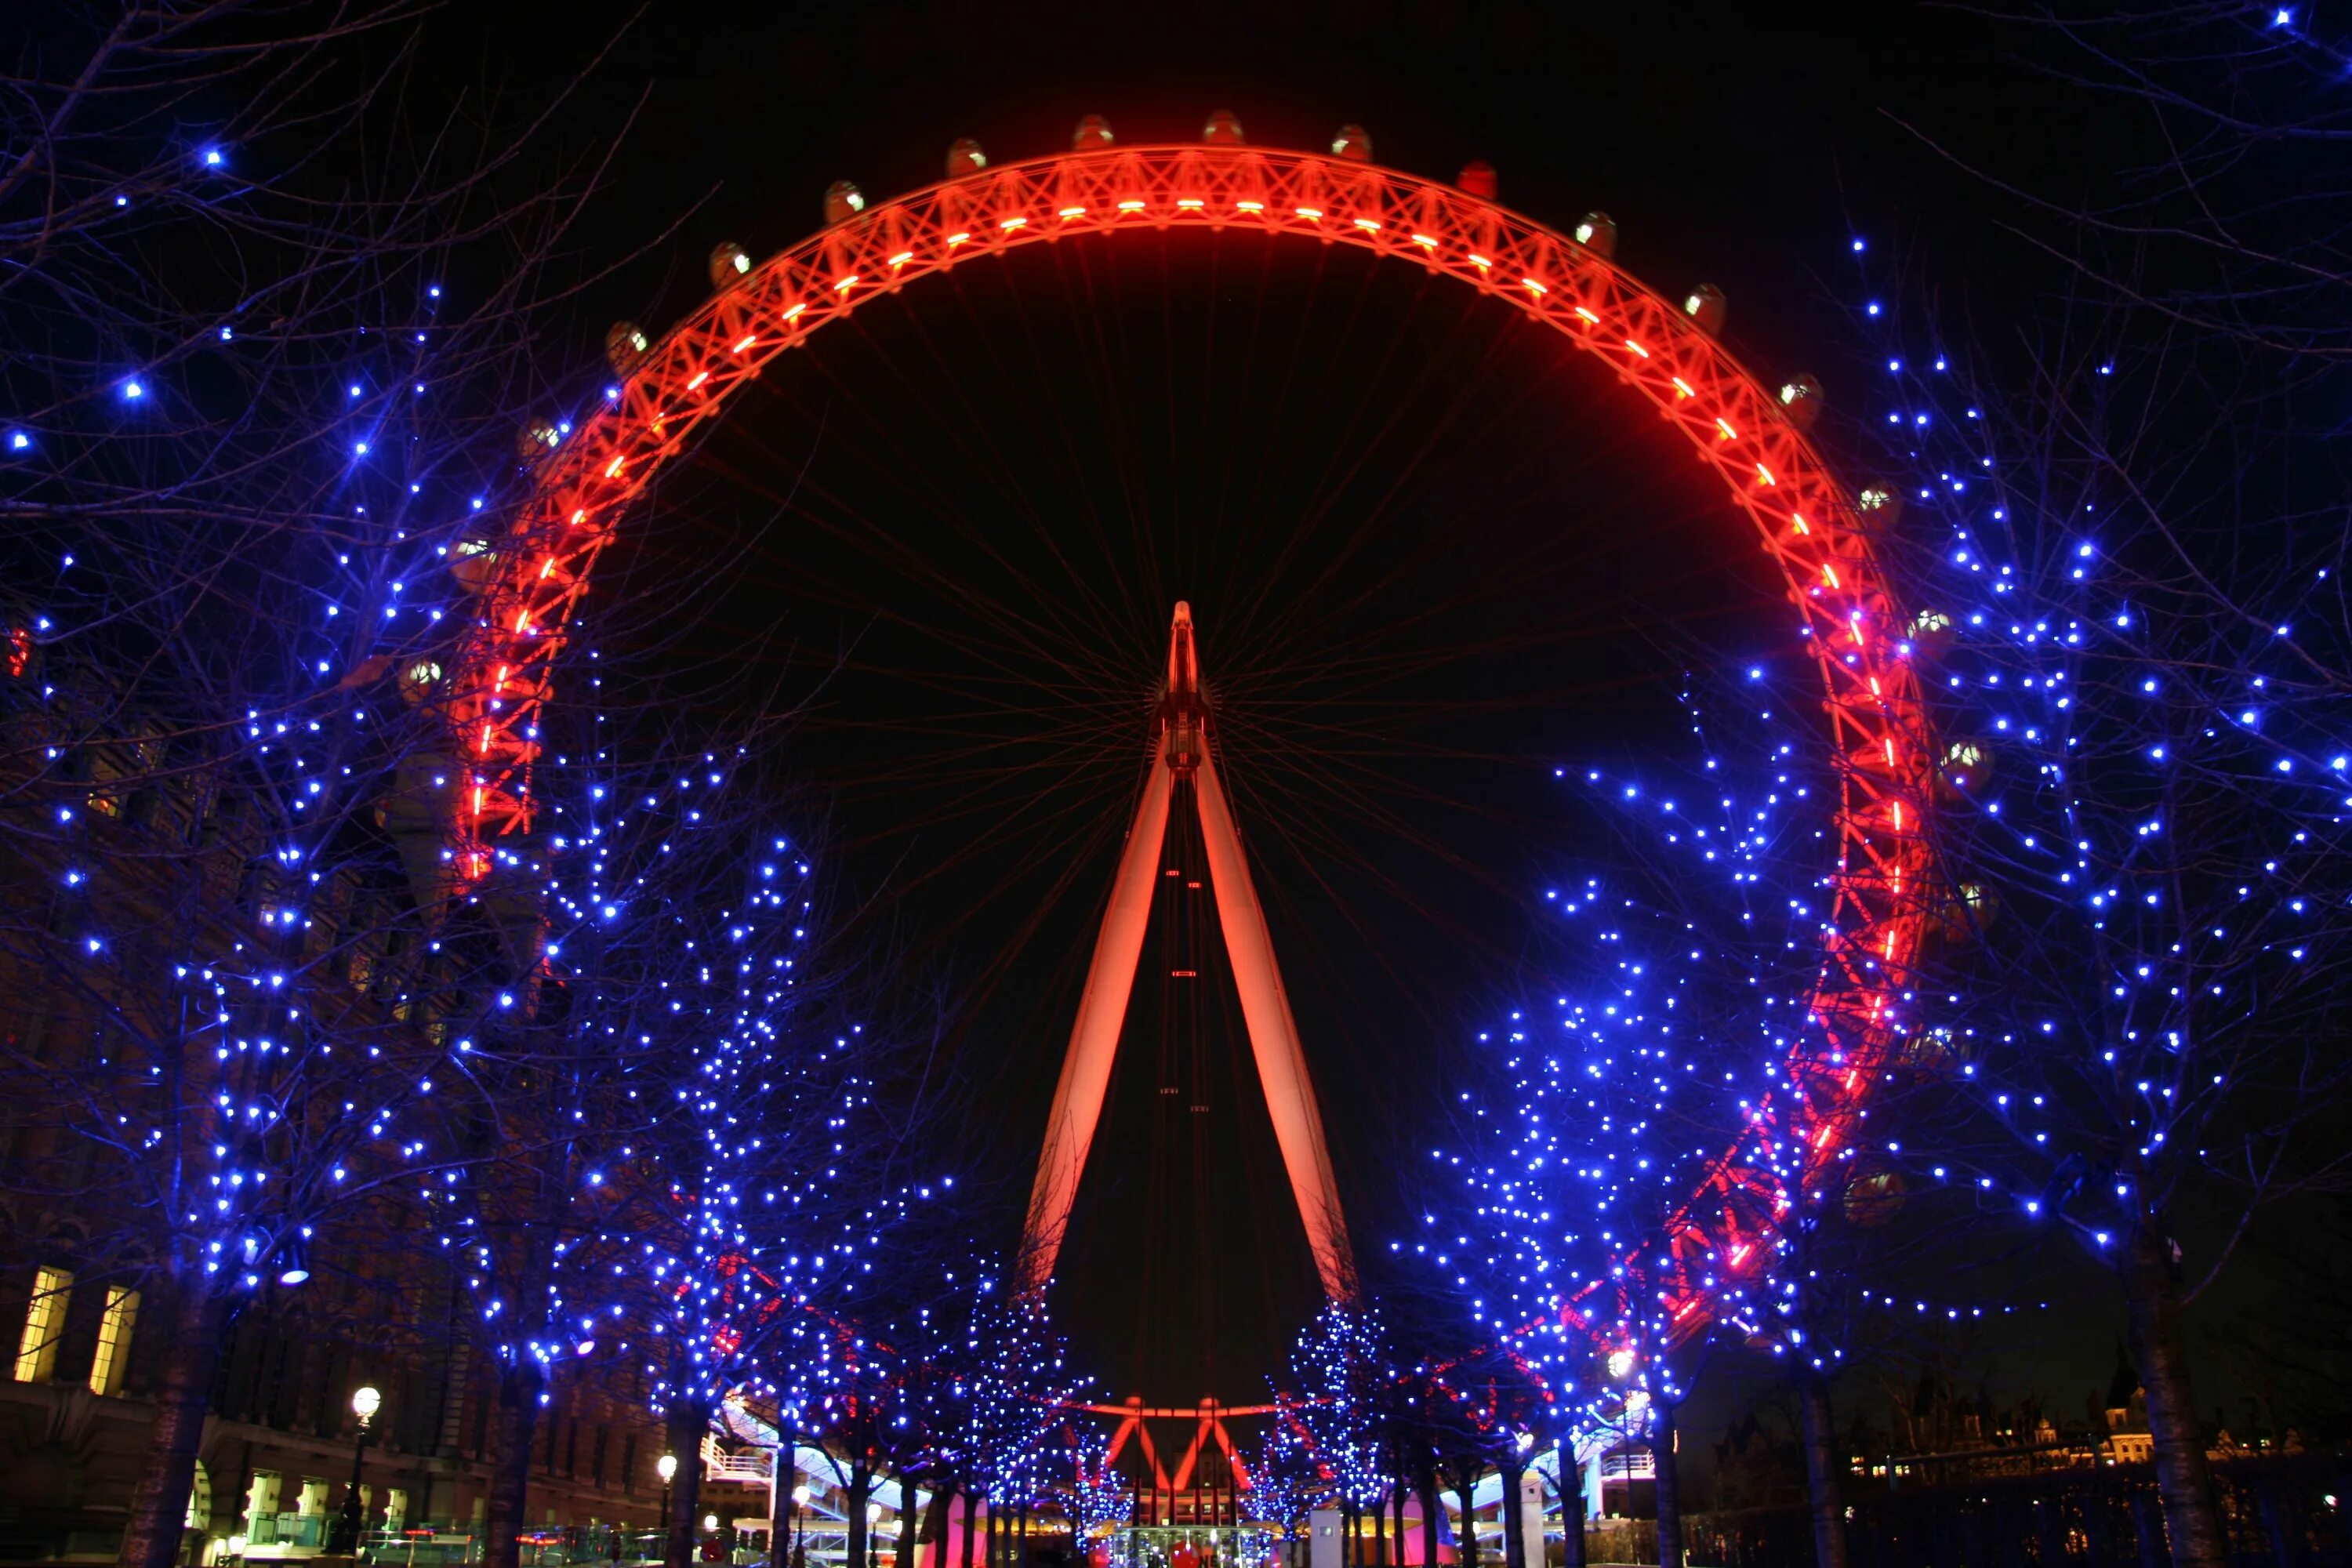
[1432, 554]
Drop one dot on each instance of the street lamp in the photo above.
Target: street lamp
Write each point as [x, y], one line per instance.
[666, 1467]
[787, 1508]
[345, 1537]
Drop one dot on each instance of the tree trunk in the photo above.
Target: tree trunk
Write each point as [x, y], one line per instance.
[1378, 1515]
[520, 1382]
[150, 1536]
[1821, 1470]
[1465, 1486]
[971, 1504]
[936, 1522]
[1396, 1507]
[689, 1421]
[1515, 1533]
[907, 1520]
[2152, 1301]
[781, 1508]
[1429, 1507]
[1572, 1504]
[861, 1485]
[1669, 1485]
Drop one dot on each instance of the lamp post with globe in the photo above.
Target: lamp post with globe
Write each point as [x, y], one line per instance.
[345, 1537]
[666, 1467]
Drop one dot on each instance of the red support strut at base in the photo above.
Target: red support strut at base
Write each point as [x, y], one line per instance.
[1181, 750]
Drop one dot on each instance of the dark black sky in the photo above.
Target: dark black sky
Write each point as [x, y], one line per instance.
[964, 517]
[1730, 147]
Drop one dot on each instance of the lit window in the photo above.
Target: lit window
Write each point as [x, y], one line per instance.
[45, 1316]
[113, 1340]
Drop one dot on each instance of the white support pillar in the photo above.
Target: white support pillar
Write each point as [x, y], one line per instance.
[1325, 1544]
[1531, 1519]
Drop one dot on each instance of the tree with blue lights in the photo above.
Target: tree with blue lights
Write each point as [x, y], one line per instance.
[663, 1165]
[1019, 1387]
[2134, 625]
[1680, 988]
[1658, 1076]
[227, 615]
[246, 445]
[1341, 1371]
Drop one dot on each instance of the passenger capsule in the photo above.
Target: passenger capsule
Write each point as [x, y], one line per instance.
[1930, 632]
[1223, 128]
[964, 158]
[473, 562]
[843, 201]
[729, 262]
[1967, 765]
[625, 347]
[1933, 1050]
[1800, 400]
[1597, 232]
[1092, 131]
[1479, 179]
[1705, 306]
[419, 678]
[1966, 916]
[535, 441]
[1880, 502]
[1352, 143]
[1873, 1194]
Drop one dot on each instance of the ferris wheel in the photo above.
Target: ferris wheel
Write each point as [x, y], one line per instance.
[1749, 433]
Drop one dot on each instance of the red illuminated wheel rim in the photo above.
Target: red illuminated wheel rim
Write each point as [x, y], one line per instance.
[1659, 350]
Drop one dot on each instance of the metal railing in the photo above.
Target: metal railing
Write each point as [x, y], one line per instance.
[753, 1467]
[287, 1529]
[446, 1545]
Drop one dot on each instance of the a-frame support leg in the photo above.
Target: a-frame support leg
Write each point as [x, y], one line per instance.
[1183, 746]
[1094, 1040]
[1274, 1039]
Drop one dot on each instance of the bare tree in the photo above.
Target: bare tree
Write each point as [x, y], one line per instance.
[2218, 214]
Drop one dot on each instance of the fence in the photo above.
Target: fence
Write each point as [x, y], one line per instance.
[2279, 1513]
[590, 1546]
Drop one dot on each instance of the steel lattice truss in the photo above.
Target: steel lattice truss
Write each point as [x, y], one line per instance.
[1811, 525]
